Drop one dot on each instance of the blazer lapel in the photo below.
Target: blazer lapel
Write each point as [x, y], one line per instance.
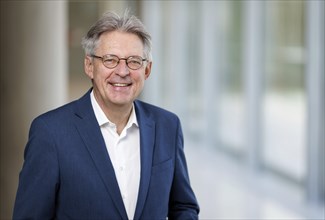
[86, 124]
[147, 141]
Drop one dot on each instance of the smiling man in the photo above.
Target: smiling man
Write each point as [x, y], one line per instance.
[108, 155]
[118, 75]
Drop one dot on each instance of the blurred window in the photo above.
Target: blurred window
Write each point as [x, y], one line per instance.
[284, 101]
[231, 99]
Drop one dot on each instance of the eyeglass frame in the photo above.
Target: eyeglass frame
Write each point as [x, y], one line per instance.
[119, 59]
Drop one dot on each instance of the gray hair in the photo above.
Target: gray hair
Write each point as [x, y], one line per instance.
[111, 21]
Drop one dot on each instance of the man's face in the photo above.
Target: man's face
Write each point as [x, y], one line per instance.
[118, 86]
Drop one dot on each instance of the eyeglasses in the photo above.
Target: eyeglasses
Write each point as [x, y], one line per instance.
[110, 61]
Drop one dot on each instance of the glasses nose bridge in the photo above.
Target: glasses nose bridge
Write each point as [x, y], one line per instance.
[122, 69]
[126, 61]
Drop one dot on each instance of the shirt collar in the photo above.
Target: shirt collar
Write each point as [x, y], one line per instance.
[101, 117]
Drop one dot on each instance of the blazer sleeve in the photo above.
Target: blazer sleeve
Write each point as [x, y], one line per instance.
[183, 204]
[39, 177]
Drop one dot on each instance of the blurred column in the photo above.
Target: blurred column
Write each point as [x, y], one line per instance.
[209, 57]
[253, 69]
[316, 89]
[33, 79]
[152, 19]
[176, 61]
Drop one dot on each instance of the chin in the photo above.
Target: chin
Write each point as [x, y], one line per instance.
[122, 102]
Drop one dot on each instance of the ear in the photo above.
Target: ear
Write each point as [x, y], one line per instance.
[89, 67]
[147, 70]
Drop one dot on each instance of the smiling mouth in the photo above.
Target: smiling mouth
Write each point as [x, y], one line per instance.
[120, 84]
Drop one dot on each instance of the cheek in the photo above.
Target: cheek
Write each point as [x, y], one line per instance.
[140, 80]
[101, 76]
[141, 77]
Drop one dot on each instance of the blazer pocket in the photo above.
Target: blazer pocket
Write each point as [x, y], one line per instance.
[158, 168]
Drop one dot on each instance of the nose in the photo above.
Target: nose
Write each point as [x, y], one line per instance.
[122, 69]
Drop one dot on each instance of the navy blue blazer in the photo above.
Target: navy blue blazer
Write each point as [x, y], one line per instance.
[67, 172]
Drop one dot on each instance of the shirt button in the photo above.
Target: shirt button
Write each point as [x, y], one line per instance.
[121, 168]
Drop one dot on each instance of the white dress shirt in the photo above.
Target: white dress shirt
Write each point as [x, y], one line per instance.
[124, 152]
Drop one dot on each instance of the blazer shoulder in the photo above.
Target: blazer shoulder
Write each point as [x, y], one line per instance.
[55, 114]
[154, 112]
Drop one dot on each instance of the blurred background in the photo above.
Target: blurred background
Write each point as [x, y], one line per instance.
[245, 77]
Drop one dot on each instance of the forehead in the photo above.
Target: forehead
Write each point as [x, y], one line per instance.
[120, 43]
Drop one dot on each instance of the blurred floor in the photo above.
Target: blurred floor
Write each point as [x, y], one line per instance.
[228, 190]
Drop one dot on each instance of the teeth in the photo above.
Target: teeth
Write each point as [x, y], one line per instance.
[120, 84]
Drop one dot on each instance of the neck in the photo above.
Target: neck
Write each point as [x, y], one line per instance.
[117, 114]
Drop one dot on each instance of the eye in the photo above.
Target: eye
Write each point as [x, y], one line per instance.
[135, 60]
[110, 60]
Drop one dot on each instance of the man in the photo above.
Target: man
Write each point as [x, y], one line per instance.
[108, 155]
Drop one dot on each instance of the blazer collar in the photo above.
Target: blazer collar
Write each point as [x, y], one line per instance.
[89, 130]
[147, 141]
